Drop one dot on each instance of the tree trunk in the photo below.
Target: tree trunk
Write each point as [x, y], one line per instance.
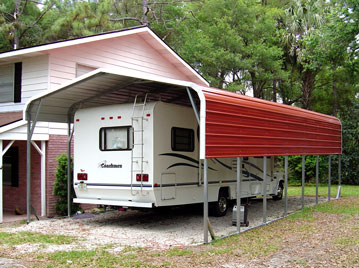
[144, 12]
[274, 90]
[257, 91]
[307, 88]
[335, 94]
[16, 43]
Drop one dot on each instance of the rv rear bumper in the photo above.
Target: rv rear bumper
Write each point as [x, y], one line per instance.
[112, 203]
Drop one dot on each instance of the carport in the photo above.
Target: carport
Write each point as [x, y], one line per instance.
[231, 125]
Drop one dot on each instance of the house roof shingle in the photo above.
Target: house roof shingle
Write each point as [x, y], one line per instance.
[8, 118]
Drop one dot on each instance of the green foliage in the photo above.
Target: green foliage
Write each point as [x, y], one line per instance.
[60, 187]
[232, 50]
[350, 158]
[295, 166]
[21, 22]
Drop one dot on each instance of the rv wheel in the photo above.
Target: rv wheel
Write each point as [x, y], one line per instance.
[220, 207]
[279, 194]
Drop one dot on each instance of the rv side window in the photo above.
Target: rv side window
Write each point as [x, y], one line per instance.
[116, 138]
[182, 139]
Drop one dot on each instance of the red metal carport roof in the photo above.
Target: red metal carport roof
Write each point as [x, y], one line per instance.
[238, 125]
[235, 125]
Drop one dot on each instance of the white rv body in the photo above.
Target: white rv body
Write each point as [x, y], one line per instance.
[173, 175]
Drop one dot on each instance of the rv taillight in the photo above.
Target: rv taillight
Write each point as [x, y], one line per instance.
[82, 176]
[144, 177]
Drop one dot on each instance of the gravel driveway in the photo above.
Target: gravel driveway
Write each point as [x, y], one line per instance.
[156, 229]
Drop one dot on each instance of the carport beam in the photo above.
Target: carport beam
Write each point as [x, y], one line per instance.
[205, 203]
[339, 175]
[329, 175]
[286, 185]
[194, 107]
[30, 131]
[264, 189]
[1, 181]
[69, 173]
[303, 179]
[28, 168]
[316, 180]
[239, 172]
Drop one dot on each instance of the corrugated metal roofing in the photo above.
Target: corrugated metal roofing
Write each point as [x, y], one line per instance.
[235, 125]
[238, 125]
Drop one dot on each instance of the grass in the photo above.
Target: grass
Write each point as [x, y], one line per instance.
[309, 189]
[260, 244]
[29, 237]
[83, 258]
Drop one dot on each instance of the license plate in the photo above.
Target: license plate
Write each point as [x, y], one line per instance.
[82, 186]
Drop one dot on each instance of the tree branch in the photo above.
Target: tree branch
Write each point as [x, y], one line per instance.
[7, 15]
[23, 8]
[127, 18]
[167, 3]
[37, 20]
[178, 23]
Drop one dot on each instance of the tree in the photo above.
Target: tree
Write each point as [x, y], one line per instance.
[233, 43]
[328, 47]
[350, 157]
[60, 187]
[20, 23]
[302, 18]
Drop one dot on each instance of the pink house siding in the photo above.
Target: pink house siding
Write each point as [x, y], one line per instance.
[125, 52]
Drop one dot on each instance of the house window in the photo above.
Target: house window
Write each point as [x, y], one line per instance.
[17, 82]
[11, 167]
[182, 139]
[116, 138]
[10, 82]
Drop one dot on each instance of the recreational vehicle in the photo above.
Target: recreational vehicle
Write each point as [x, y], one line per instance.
[147, 155]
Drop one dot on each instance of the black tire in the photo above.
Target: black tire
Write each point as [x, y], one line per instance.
[219, 208]
[279, 195]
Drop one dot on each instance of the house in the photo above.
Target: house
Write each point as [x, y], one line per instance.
[24, 73]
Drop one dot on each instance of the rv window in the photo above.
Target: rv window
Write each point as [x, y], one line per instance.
[116, 138]
[182, 139]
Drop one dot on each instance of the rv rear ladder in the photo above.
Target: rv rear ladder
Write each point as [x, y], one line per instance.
[138, 144]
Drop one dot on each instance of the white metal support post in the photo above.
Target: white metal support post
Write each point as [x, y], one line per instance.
[43, 178]
[316, 179]
[69, 171]
[205, 202]
[303, 179]
[339, 175]
[28, 169]
[286, 185]
[329, 175]
[239, 172]
[42, 152]
[1, 180]
[264, 189]
[194, 107]
[30, 131]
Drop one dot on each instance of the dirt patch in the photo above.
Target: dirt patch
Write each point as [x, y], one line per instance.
[318, 240]
[155, 229]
